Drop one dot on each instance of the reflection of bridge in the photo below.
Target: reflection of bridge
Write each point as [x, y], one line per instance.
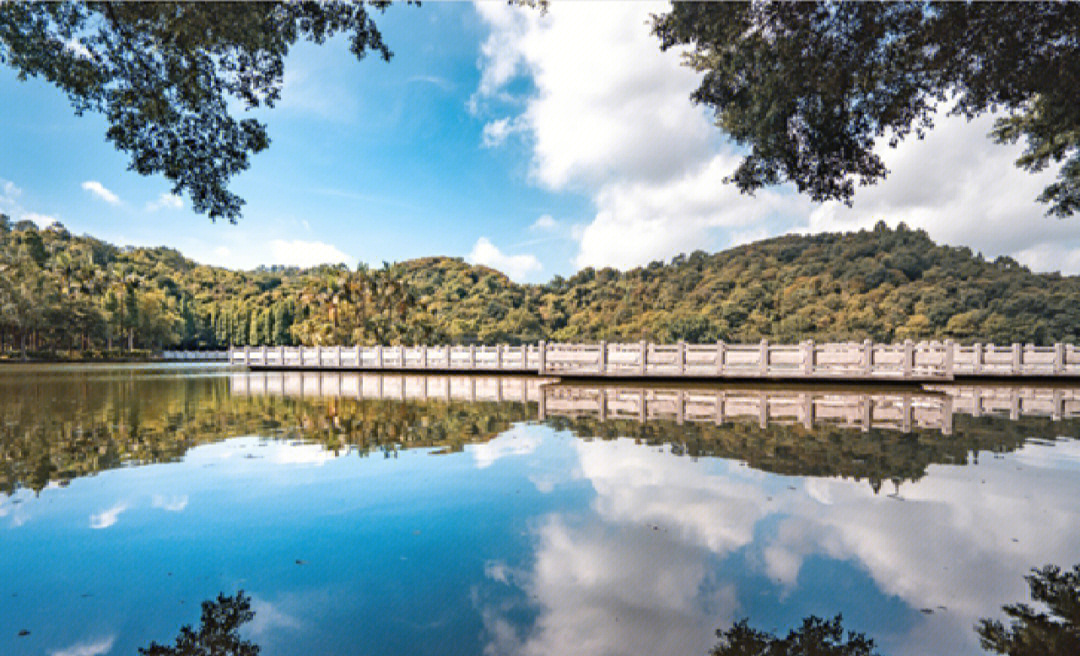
[932, 407]
[398, 387]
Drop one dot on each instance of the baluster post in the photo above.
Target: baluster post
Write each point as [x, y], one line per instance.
[950, 358]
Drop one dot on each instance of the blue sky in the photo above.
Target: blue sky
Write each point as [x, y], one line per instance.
[533, 143]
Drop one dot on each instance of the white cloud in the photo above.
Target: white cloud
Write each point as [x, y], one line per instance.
[95, 647]
[297, 252]
[42, 220]
[10, 194]
[639, 221]
[107, 518]
[516, 267]
[246, 248]
[495, 132]
[609, 114]
[99, 190]
[545, 224]
[963, 189]
[436, 80]
[608, 103]
[500, 61]
[166, 201]
[175, 503]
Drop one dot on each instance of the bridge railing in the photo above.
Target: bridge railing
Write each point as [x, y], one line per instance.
[908, 360]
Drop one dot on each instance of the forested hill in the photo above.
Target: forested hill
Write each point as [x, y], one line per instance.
[60, 292]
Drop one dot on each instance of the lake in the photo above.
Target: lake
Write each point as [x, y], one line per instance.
[384, 514]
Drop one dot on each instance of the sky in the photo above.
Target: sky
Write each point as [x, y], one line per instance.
[534, 143]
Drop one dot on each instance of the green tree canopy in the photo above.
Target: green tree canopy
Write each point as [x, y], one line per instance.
[163, 75]
[810, 88]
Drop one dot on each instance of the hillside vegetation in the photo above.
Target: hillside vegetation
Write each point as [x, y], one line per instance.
[66, 294]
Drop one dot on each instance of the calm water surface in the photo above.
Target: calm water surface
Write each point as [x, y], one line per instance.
[128, 495]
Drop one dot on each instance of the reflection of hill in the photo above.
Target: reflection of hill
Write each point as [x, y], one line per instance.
[57, 427]
[876, 455]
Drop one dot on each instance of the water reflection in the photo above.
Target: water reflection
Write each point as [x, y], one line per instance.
[218, 633]
[586, 532]
[75, 422]
[58, 426]
[872, 434]
[1031, 631]
[815, 636]
[1034, 631]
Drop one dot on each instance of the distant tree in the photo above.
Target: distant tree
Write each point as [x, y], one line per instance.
[810, 88]
[163, 75]
[1034, 632]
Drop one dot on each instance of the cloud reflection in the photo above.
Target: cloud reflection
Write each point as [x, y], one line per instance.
[94, 647]
[645, 571]
[514, 442]
[174, 503]
[107, 518]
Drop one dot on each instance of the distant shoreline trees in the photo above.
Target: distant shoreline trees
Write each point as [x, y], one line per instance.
[68, 296]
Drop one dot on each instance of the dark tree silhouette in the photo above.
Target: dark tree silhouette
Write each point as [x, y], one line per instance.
[218, 633]
[1034, 632]
[811, 88]
[163, 74]
[816, 637]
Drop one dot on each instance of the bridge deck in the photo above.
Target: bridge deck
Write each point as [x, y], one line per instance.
[852, 361]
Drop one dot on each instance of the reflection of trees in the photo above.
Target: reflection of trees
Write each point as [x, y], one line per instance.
[1035, 632]
[60, 428]
[218, 632]
[1031, 632]
[791, 449]
[816, 637]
